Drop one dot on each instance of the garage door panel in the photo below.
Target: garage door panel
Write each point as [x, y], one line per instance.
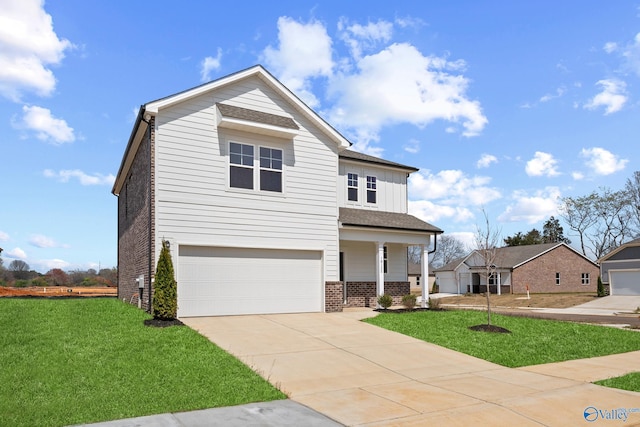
[624, 282]
[223, 281]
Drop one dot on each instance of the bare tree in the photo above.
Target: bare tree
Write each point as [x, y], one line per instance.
[448, 249]
[19, 268]
[633, 189]
[487, 239]
[603, 220]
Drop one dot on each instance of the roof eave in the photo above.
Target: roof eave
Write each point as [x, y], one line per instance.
[139, 129]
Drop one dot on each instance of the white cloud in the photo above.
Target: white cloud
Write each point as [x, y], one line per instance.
[431, 212]
[542, 164]
[413, 146]
[3, 236]
[210, 64]
[486, 160]
[48, 264]
[28, 45]
[602, 161]
[16, 253]
[578, 176]
[610, 47]
[631, 55]
[613, 96]
[83, 178]
[47, 127]
[548, 97]
[41, 241]
[304, 52]
[532, 208]
[400, 85]
[451, 187]
[364, 37]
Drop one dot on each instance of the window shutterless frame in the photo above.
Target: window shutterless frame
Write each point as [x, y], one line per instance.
[241, 165]
[352, 187]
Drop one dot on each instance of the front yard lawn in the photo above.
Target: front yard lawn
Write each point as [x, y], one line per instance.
[531, 341]
[87, 360]
[629, 382]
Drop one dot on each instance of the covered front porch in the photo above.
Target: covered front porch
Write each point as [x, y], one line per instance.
[373, 255]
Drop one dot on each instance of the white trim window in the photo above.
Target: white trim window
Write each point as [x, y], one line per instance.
[352, 187]
[557, 278]
[241, 165]
[585, 278]
[372, 186]
[271, 169]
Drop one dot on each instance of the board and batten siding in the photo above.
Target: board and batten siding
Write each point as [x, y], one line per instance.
[194, 204]
[391, 187]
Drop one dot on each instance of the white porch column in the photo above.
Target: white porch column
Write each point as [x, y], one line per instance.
[424, 274]
[380, 270]
[499, 284]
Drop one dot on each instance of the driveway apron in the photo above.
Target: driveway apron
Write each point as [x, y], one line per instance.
[359, 374]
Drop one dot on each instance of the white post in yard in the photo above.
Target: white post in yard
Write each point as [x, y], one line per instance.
[424, 274]
[379, 271]
[499, 284]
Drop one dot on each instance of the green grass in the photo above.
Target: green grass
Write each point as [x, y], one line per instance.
[87, 360]
[629, 382]
[531, 341]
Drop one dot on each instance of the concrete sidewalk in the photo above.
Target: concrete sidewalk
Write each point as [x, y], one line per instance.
[359, 374]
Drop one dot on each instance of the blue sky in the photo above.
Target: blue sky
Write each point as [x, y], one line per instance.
[504, 106]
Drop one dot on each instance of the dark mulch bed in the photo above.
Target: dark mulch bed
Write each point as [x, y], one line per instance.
[400, 310]
[490, 328]
[160, 323]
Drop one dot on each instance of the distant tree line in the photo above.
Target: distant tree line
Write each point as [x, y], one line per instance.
[18, 273]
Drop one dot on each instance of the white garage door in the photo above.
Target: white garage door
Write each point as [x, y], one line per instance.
[215, 281]
[624, 282]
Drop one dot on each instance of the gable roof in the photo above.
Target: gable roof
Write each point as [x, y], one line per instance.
[365, 158]
[388, 220]
[151, 109]
[453, 265]
[629, 244]
[511, 257]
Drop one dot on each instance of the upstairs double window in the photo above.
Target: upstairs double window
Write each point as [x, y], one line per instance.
[242, 167]
[371, 188]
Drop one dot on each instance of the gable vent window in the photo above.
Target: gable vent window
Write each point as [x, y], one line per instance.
[352, 187]
[371, 189]
[241, 167]
[270, 169]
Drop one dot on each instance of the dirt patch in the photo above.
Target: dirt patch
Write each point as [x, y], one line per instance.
[160, 323]
[516, 300]
[490, 328]
[57, 291]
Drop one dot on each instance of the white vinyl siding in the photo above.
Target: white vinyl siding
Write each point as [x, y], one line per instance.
[361, 262]
[194, 203]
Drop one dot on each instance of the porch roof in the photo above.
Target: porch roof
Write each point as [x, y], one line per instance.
[385, 220]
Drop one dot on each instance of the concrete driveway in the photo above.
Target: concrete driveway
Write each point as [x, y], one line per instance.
[359, 374]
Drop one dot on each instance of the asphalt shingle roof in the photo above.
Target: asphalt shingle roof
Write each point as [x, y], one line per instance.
[256, 116]
[389, 220]
[354, 155]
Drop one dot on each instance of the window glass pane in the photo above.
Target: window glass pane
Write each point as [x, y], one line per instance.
[271, 181]
[240, 177]
[371, 196]
[235, 159]
[270, 158]
[353, 194]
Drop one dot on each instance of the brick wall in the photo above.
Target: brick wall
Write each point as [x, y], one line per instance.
[540, 273]
[363, 294]
[134, 253]
[333, 297]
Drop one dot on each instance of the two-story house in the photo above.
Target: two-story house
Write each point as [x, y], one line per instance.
[263, 205]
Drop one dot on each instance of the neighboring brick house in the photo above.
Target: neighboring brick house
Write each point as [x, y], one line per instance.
[545, 268]
[264, 207]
